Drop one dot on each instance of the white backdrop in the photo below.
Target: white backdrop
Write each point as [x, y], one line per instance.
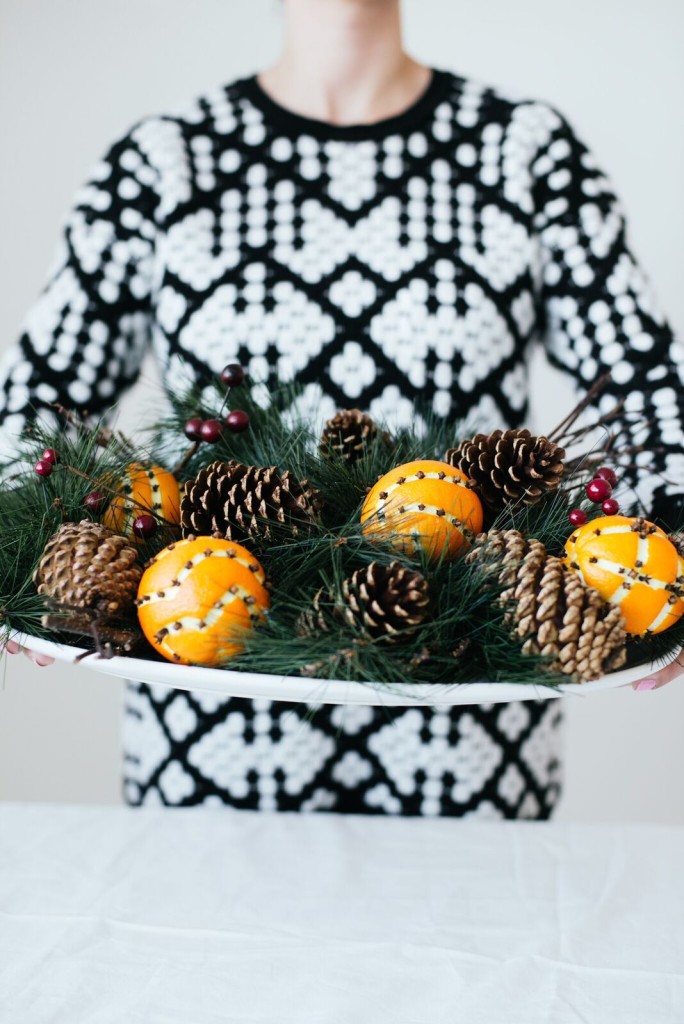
[74, 74]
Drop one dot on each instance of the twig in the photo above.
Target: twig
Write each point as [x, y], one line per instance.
[109, 639]
[180, 466]
[595, 390]
[103, 435]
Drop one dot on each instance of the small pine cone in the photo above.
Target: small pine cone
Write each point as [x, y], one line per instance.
[87, 566]
[555, 615]
[385, 600]
[347, 435]
[239, 502]
[316, 618]
[509, 466]
[502, 552]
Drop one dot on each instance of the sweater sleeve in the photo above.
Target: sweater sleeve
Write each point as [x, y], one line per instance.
[599, 313]
[84, 340]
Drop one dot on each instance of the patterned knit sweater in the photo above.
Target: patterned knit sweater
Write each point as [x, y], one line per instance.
[414, 258]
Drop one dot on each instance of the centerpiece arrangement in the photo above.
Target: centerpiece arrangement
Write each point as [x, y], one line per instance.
[233, 537]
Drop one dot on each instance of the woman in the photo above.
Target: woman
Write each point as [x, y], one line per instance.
[381, 231]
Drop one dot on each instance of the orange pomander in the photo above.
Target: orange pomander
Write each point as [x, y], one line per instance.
[632, 564]
[197, 596]
[143, 489]
[423, 504]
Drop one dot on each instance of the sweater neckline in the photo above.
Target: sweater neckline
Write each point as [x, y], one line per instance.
[288, 121]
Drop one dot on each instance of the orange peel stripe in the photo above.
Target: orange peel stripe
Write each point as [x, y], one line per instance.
[663, 614]
[653, 582]
[192, 624]
[443, 477]
[420, 509]
[182, 574]
[128, 507]
[156, 492]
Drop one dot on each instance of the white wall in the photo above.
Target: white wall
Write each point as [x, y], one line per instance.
[76, 73]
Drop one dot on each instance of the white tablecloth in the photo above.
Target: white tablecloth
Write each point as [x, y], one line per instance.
[204, 916]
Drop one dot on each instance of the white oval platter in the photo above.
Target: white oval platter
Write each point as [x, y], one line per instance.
[296, 689]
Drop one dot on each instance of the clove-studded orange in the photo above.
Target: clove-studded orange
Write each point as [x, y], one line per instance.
[424, 504]
[634, 565]
[142, 489]
[197, 598]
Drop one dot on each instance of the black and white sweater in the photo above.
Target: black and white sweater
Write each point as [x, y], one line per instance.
[414, 258]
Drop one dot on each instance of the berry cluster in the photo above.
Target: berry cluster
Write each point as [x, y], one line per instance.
[598, 491]
[47, 462]
[236, 422]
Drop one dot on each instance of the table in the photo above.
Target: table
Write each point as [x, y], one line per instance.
[208, 915]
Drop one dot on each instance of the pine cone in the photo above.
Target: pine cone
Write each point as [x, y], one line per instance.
[316, 618]
[509, 466]
[558, 616]
[87, 566]
[386, 600]
[379, 600]
[347, 434]
[501, 552]
[551, 610]
[239, 502]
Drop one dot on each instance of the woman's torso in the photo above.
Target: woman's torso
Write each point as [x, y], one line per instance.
[379, 265]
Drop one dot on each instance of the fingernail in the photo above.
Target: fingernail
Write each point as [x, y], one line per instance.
[12, 647]
[646, 684]
[41, 660]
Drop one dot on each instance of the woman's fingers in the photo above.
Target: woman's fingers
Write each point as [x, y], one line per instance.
[41, 660]
[662, 677]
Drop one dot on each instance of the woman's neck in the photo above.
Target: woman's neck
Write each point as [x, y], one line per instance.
[344, 63]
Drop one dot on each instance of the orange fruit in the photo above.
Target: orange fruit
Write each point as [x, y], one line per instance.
[149, 489]
[196, 597]
[632, 564]
[423, 504]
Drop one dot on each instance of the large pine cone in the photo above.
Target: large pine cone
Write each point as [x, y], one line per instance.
[239, 502]
[87, 566]
[388, 601]
[347, 435]
[509, 466]
[550, 609]
[558, 616]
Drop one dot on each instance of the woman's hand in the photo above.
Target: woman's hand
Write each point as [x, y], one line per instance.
[42, 660]
[663, 677]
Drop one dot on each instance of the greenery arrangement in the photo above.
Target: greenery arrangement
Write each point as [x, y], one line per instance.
[332, 577]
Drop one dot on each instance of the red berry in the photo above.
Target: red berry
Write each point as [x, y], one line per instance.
[94, 501]
[598, 490]
[50, 455]
[610, 507]
[578, 517]
[43, 467]
[606, 473]
[193, 429]
[237, 421]
[211, 431]
[232, 375]
[144, 526]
